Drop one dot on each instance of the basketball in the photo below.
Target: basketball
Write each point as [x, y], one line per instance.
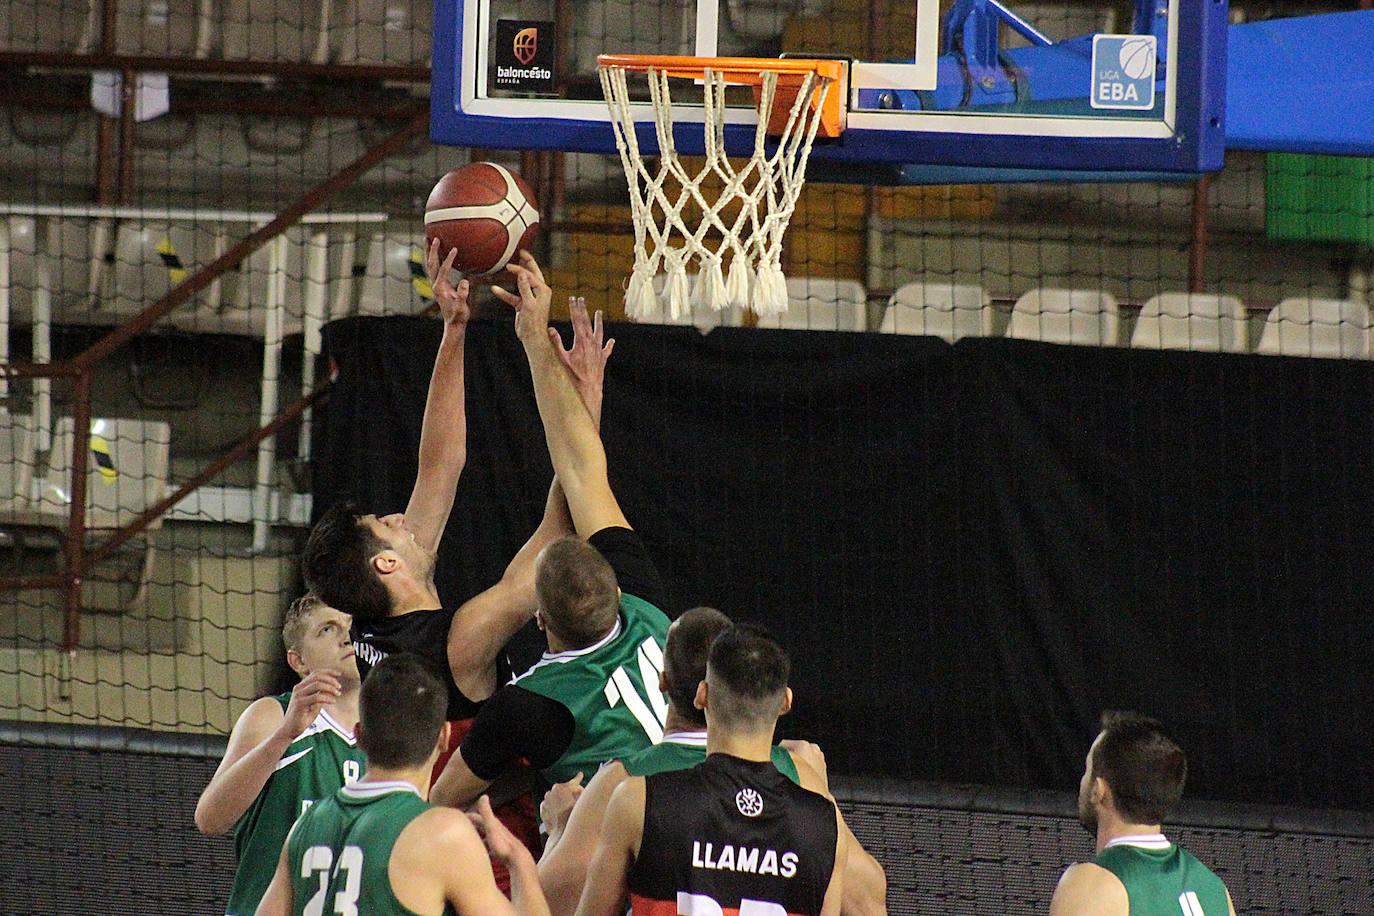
[484, 212]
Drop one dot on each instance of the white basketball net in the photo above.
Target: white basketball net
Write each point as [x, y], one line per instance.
[766, 187]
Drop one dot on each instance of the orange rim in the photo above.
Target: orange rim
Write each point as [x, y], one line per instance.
[746, 71]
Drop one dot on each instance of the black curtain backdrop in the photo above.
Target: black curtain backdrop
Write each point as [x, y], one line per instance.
[970, 550]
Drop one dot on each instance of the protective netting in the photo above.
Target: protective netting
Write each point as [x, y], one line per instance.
[101, 216]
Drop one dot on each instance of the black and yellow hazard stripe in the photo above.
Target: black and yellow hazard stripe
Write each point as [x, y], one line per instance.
[172, 261]
[418, 277]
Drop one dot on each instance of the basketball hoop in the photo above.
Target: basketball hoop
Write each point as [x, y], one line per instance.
[796, 100]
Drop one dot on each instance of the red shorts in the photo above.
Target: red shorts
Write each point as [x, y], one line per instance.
[518, 814]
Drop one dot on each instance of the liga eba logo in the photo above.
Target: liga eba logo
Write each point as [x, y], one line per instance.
[1137, 57]
[526, 45]
[749, 802]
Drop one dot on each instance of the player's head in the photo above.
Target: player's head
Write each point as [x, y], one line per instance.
[684, 658]
[1134, 766]
[317, 639]
[401, 713]
[746, 681]
[349, 555]
[576, 593]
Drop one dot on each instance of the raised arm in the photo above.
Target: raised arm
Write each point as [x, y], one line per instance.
[260, 737]
[607, 879]
[486, 622]
[443, 432]
[575, 446]
[865, 882]
[568, 853]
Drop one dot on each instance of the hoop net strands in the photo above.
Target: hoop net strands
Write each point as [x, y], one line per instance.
[765, 186]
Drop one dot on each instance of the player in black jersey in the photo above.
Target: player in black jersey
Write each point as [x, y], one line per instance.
[731, 834]
[381, 569]
[573, 817]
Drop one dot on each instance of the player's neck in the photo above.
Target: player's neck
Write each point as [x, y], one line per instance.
[345, 708]
[411, 595]
[1111, 826]
[418, 777]
[746, 746]
[677, 722]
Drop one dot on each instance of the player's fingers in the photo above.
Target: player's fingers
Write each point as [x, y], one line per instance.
[606, 350]
[510, 299]
[531, 264]
[432, 256]
[597, 328]
[448, 261]
[557, 340]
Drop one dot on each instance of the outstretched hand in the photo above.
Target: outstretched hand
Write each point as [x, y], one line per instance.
[452, 299]
[532, 302]
[586, 360]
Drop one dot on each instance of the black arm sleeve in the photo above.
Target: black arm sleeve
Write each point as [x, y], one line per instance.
[517, 723]
[635, 572]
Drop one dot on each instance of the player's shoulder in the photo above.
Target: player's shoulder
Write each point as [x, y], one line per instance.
[1087, 888]
[437, 831]
[261, 717]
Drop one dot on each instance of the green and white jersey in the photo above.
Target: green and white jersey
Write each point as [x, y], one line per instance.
[611, 689]
[684, 750]
[1162, 878]
[317, 763]
[340, 851]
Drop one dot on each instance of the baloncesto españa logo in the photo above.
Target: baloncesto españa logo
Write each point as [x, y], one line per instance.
[524, 56]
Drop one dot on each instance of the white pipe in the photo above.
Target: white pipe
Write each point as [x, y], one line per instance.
[316, 279]
[165, 213]
[271, 381]
[4, 304]
[42, 341]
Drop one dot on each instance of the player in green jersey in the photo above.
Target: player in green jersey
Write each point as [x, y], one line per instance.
[1132, 778]
[573, 834]
[592, 696]
[377, 846]
[287, 751]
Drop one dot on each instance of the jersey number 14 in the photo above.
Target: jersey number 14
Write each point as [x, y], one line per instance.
[651, 711]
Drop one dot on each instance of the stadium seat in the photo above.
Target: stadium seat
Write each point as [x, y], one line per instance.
[1066, 316]
[18, 452]
[162, 28]
[946, 310]
[395, 282]
[47, 25]
[1191, 321]
[295, 32]
[395, 32]
[822, 304]
[1305, 326]
[150, 258]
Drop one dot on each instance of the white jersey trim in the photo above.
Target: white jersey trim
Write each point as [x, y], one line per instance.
[558, 658]
[324, 722]
[364, 789]
[687, 739]
[1141, 840]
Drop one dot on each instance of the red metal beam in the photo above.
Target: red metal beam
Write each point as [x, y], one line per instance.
[145, 63]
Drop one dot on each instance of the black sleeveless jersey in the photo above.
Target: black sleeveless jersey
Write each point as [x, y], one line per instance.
[732, 836]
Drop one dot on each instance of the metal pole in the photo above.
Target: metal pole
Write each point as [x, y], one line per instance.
[76, 524]
[1197, 251]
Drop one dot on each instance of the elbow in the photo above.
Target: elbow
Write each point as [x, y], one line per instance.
[207, 824]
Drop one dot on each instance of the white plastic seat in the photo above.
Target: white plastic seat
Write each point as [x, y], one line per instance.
[1066, 316]
[1205, 322]
[822, 304]
[296, 32]
[946, 310]
[18, 452]
[126, 471]
[159, 28]
[149, 260]
[1305, 326]
[46, 25]
[395, 32]
[394, 263]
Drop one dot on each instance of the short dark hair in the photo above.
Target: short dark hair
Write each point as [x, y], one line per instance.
[401, 708]
[1138, 757]
[577, 592]
[685, 655]
[747, 676]
[337, 564]
[293, 621]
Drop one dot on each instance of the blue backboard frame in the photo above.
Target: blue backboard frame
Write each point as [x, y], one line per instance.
[1194, 141]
